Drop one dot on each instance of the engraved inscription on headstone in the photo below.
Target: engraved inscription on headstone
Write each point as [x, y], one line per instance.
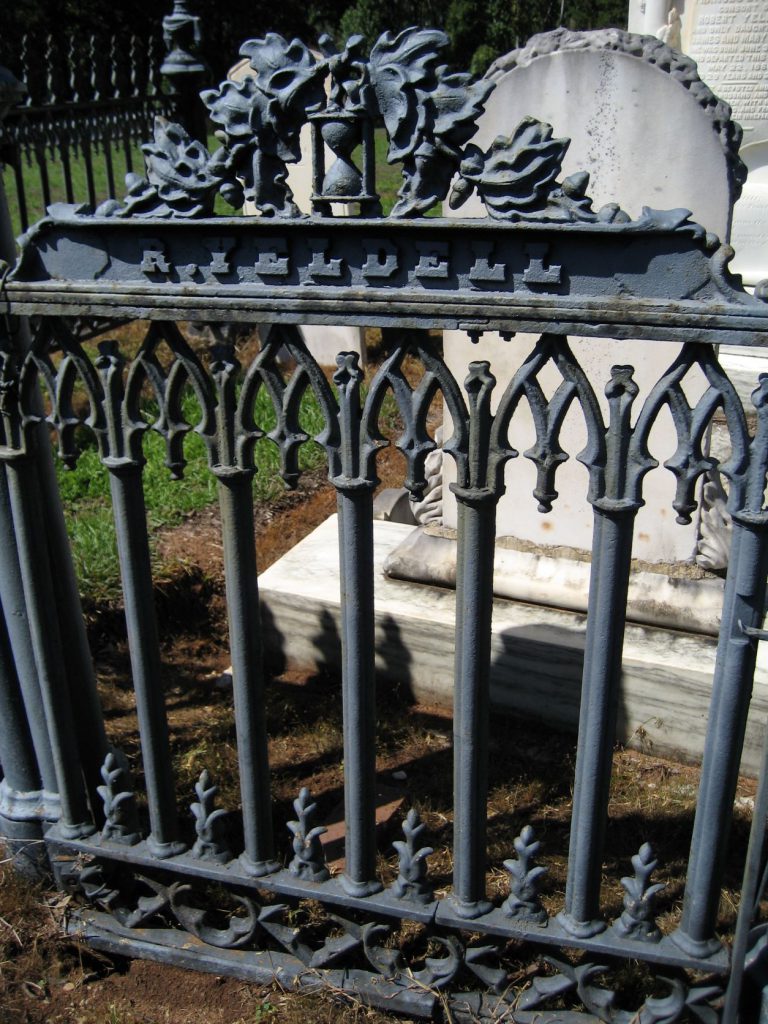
[728, 39]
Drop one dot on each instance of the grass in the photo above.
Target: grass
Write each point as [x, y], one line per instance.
[388, 181]
[33, 187]
[85, 490]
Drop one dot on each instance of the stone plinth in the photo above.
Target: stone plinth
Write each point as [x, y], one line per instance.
[536, 652]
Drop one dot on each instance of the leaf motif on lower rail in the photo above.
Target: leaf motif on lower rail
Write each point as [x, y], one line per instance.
[121, 823]
[600, 1002]
[308, 857]
[209, 844]
[523, 901]
[239, 932]
[638, 917]
[411, 883]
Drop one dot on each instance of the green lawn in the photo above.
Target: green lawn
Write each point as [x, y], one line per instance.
[33, 188]
[87, 507]
[388, 181]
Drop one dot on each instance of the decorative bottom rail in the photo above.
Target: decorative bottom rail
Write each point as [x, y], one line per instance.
[68, 858]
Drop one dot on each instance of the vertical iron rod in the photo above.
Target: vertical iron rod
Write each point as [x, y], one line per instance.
[743, 606]
[236, 502]
[474, 607]
[606, 614]
[355, 507]
[88, 159]
[89, 721]
[23, 805]
[42, 166]
[66, 165]
[21, 196]
[111, 191]
[29, 526]
[127, 152]
[15, 612]
[136, 573]
[750, 892]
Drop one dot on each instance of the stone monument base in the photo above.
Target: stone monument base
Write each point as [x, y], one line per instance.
[536, 651]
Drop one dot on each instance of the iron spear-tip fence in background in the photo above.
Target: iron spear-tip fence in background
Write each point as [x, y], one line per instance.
[88, 103]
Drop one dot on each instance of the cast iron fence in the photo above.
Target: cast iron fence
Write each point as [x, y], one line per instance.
[544, 262]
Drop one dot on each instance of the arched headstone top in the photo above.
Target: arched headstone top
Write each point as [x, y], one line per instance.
[652, 51]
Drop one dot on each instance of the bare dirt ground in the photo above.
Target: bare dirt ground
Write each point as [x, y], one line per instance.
[45, 977]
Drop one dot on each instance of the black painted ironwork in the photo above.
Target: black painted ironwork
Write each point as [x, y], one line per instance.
[531, 265]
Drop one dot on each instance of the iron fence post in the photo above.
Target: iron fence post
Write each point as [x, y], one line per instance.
[29, 787]
[184, 68]
[743, 606]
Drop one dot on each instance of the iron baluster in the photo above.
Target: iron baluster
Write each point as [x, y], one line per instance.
[474, 602]
[23, 655]
[125, 463]
[614, 516]
[731, 691]
[36, 571]
[89, 721]
[608, 585]
[358, 672]
[743, 608]
[85, 147]
[42, 169]
[125, 483]
[21, 195]
[22, 800]
[245, 641]
[12, 597]
[108, 166]
[66, 166]
[232, 464]
[752, 892]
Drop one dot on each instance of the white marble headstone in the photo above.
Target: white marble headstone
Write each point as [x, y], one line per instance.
[646, 140]
[728, 39]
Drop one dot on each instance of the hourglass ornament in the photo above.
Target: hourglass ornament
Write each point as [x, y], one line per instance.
[342, 131]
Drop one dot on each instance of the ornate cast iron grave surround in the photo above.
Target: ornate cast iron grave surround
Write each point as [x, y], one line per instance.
[543, 261]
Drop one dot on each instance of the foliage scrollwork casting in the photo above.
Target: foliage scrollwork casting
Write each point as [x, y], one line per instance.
[373, 968]
[224, 414]
[430, 114]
